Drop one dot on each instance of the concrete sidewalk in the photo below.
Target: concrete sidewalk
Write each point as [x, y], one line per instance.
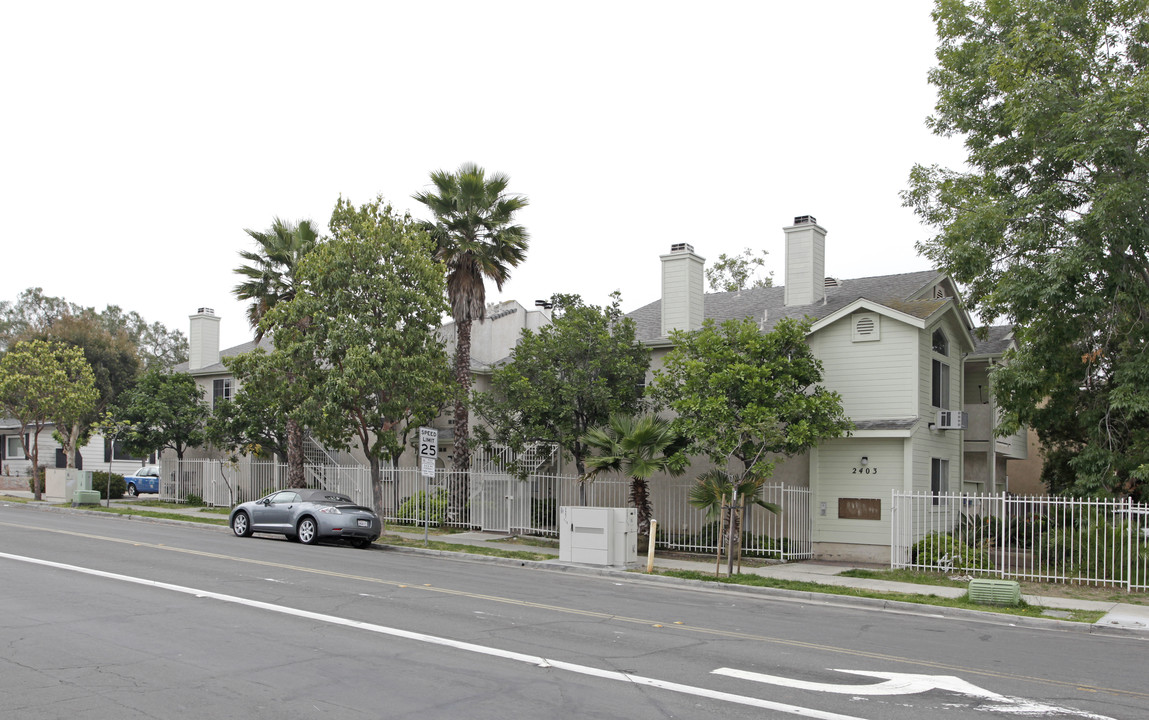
[1117, 615]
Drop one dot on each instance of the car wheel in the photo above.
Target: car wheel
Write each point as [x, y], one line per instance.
[308, 531]
[131, 491]
[241, 525]
[361, 543]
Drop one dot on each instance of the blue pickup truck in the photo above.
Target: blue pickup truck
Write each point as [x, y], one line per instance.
[144, 480]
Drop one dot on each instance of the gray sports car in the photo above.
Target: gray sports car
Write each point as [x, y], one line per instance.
[307, 516]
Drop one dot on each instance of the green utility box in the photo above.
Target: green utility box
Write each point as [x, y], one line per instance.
[86, 497]
[995, 592]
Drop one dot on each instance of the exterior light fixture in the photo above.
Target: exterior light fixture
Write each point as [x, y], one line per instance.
[865, 461]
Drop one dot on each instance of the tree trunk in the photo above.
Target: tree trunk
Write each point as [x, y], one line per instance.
[376, 485]
[640, 498]
[295, 477]
[37, 481]
[69, 445]
[460, 489]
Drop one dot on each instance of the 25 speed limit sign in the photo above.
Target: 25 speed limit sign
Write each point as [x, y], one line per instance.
[428, 450]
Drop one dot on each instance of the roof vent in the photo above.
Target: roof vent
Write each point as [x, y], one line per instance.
[206, 310]
[832, 282]
[681, 247]
[805, 220]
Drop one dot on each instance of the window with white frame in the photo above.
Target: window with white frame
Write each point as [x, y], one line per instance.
[221, 389]
[13, 448]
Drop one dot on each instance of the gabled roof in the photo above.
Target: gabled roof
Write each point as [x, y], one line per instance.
[219, 368]
[998, 339]
[897, 292]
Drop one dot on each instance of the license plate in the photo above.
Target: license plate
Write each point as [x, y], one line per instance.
[364, 523]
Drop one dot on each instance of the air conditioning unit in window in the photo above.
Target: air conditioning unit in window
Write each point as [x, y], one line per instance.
[952, 420]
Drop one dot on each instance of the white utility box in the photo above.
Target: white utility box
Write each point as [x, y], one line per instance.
[598, 536]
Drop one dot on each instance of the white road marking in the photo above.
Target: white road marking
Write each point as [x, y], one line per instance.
[912, 684]
[535, 660]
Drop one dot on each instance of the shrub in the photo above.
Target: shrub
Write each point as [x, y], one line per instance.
[944, 552]
[1095, 551]
[416, 509]
[100, 484]
[194, 500]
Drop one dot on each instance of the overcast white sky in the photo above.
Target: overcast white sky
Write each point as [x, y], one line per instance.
[138, 140]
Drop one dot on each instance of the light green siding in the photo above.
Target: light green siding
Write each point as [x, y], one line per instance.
[874, 378]
[841, 475]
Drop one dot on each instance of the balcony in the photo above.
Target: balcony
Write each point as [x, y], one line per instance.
[977, 437]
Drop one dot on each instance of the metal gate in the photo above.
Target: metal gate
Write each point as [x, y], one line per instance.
[500, 502]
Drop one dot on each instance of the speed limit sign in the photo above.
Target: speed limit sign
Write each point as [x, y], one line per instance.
[428, 450]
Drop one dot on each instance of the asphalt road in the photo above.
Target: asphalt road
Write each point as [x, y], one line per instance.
[111, 618]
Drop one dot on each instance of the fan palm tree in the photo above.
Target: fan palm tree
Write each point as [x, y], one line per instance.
[716, 493]
[271, 279]
[476, 239]
[637, 447]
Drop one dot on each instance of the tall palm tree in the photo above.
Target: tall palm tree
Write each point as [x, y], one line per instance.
[477, 240]
[637, 447]
[271, 278]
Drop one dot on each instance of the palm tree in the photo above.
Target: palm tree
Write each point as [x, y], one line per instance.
[716, 493]
[271, 280]
[476, 239]
[637, 447]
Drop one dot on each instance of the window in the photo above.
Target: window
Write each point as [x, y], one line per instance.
[220, 389]
[117, 452]
[939, 477]
[940, 380]
[941, 343]
[941, 385]
[13, 449]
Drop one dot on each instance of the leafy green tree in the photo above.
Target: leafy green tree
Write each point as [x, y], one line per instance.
[271, 278]
[165, 411]
[476, 239]
[1046, 224]
[637, 447]
[748, 397]
[34, 313]
[737, 272]
[114, 362]
[565, 379]
[42, 382]
[369, 318]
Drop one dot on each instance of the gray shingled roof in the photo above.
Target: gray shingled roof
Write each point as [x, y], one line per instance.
[895, 291]
[218, 367]
[998, 339]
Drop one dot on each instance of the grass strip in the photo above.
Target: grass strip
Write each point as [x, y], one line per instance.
[470, 549]
[1023, 610]
[206, 519]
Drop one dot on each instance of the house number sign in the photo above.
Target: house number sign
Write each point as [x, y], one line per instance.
[867, 470]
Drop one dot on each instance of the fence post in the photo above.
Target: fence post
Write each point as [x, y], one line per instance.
[1130, 547]
[1001, 539]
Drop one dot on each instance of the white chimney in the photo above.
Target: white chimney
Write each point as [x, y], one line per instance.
[805, 261]
[203, 341]
[681, 289]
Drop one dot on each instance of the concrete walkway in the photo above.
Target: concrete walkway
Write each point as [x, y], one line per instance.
[1126, 616]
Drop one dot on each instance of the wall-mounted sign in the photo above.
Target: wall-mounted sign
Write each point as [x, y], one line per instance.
[859, 509]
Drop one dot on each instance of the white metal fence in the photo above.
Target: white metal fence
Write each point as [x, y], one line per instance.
[500, 502]
[1089, 541]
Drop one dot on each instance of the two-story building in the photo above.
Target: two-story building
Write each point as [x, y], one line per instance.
[902, 353]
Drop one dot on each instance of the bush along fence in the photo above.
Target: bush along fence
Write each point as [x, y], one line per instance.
[499, 502]
[1087, 541]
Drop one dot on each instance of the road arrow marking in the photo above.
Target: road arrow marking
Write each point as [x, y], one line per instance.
[912, 684]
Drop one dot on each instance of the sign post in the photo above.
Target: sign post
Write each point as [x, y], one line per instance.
[428, 453]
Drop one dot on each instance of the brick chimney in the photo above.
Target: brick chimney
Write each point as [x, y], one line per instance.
[805, 261]
[203, 340]
[681, 289]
